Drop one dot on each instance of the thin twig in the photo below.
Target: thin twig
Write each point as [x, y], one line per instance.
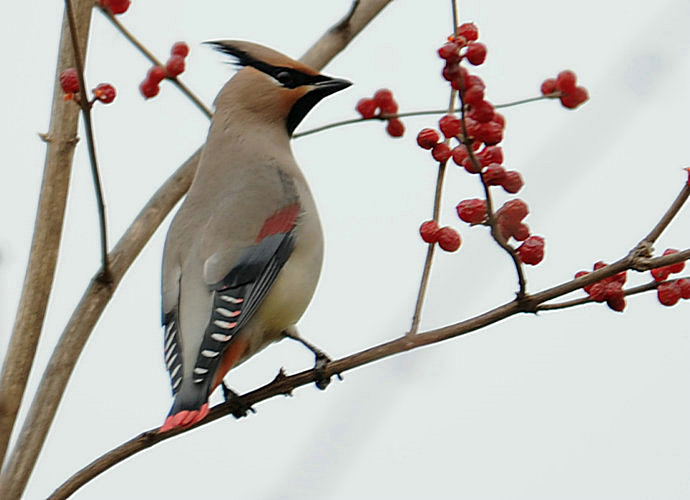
[134, 41]
[428, 260]
[88, 127]
[669, 215]
[384, 117]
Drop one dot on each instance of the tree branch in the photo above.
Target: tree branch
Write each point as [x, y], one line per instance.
[283, 384]
[96, 297]
[61, 139]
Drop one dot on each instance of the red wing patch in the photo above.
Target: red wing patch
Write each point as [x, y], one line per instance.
[280, 222]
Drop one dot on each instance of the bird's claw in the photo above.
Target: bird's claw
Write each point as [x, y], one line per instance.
[239, 408]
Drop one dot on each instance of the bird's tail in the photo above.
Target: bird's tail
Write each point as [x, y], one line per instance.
[190, 406]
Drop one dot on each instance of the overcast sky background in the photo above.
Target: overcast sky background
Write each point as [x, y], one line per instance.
[584, 403]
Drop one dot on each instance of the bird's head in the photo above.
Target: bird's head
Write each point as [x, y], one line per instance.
[272, 84]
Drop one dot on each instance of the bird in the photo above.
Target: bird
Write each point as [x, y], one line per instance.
[243, 254]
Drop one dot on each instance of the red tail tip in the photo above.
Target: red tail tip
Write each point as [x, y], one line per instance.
[184, 418]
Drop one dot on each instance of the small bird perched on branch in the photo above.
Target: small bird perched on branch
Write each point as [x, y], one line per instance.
[243, 254]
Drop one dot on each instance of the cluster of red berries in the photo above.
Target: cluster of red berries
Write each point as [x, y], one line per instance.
[446, 237]
[609, 290]
[384, 102]
[565, 88]
[116, 6]
[670, 292]
[69, 81]
[478, 132]
[175, 66]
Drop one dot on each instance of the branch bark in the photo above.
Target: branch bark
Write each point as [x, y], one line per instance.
[54, 381]
[61, 139]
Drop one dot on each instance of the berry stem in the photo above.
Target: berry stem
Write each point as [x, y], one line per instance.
[384, 117]
[416, 317]
[105, 275]
[652, 285]
[148, 55]
[668, 216]
[490, 215]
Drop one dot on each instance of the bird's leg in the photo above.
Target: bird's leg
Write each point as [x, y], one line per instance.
[321, 358]
[239, 407]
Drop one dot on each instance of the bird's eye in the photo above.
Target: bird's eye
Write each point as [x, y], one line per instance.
[285, 78]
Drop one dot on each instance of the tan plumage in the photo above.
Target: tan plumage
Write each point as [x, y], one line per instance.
[243, 254]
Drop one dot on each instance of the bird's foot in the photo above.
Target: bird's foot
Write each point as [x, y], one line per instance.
[239, 408]
[321, 359]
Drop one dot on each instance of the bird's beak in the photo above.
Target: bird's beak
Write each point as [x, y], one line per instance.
[332, 85]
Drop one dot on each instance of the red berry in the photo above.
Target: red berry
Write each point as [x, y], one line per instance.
[448, 239]
[472, 211]
[599, 265]
[512, 182]
[474, 81]
[156, 74]
[574, 97]
[565, 81]
[490, 133]
[105, 93]
[669, 293]
[531, 251]
[674, 268]
[476, 53]
[684, 284]
[427, 138]
[482, 111]
[459, 155]
[450, 52]
[458, 81]
[617, 301]
[395, 128]
[179, 49]
[469, 31]
[499, 119]
[69, 81]
[451, 72]
[548, 86]
[175, 66]
[366, 107]
[450, 125]
[521, 232]
[473, 95]
[149, 89]
[116, 6]
[493, 175]
[661, 273]
[597, 291]
[514, 210]
[440, 152]
[491, 154]
[472, 126]
[429, 231]
[384, 98]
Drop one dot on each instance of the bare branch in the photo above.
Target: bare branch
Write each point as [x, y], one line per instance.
[88, 127]
[61, 140]
[340, 35]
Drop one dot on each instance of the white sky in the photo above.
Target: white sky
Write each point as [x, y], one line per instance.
[583, 403]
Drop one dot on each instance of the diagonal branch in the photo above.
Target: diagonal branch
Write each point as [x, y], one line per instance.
[88, 128]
